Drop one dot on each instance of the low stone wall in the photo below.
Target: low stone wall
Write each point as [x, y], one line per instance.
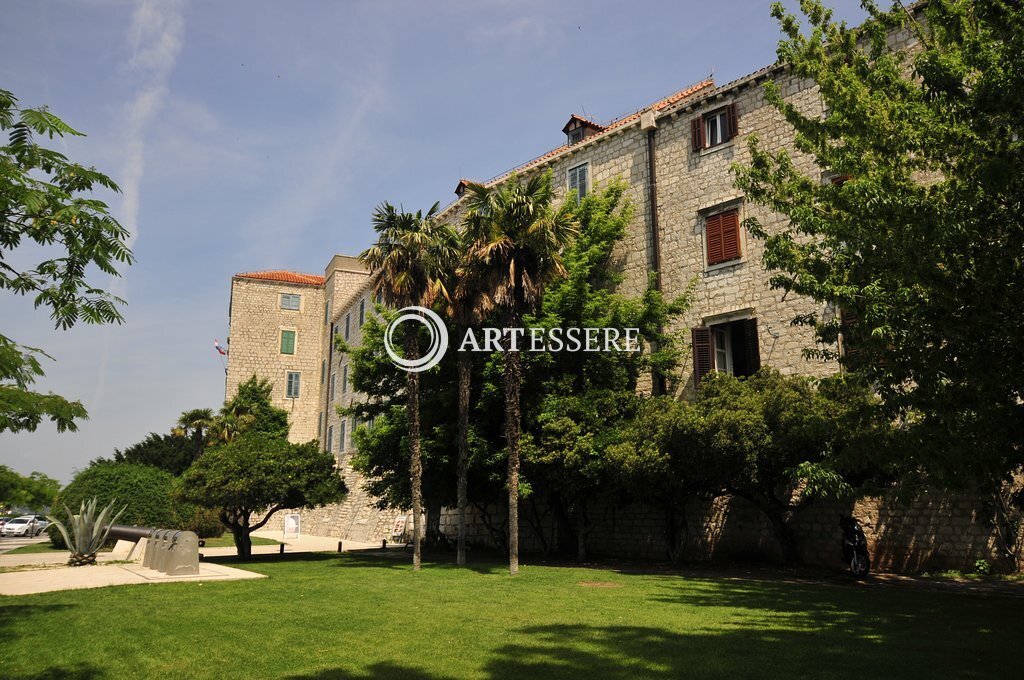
[931, 531]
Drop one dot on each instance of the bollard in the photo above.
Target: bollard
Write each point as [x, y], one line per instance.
[282, 548]
[339, 546]
[383, 544]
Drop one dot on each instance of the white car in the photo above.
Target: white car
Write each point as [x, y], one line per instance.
[22, 526]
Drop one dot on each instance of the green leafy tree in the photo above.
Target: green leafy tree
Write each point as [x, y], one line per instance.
[249, 411]
[518, 236]
[170, 452]
[195, 424]
[255, 475]
[35, 491]
[919, 241]
[661, 460]
[584, 398]
[145, 490]
[408, 262]
[45, 202]
[780, 442]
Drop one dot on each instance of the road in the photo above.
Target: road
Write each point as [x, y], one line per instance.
[12, 542]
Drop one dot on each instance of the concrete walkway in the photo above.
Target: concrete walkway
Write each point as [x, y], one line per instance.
[73, 578]
[46, 572]
[10, 543]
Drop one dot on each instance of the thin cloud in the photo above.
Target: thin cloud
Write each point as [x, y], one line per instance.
[156, 34]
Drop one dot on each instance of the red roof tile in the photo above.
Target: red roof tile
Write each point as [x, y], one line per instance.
[614, 125]
[284, 277]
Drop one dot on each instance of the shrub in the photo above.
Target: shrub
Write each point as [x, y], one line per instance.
[982, 567]
[145, 490]
[203, 521]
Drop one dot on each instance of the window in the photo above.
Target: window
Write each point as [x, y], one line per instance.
[290, 301]
[714, 128]
[330, 392]
[576, 135]
[341, 436]
[327, 312]
[730, 347]
[330, 438]
[348, 323]
[292, 391]
[319, 423]
[380, 298]
[344, 379]
[287, 342]
[323, 370]
[362, 312]
[722, 237]
[578, 180]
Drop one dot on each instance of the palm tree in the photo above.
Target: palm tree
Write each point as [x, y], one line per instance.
[517, 238]
[195, 423]
[466, 305]
[407, 262]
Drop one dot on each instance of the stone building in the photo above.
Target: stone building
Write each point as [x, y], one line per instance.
[675, 156]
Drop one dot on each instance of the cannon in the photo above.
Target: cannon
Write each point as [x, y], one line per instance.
[170, 551]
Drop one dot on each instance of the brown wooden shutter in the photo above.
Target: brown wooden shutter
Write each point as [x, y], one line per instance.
[697, 132]
[848, 319]
[713, 236]
[734, 120]
[730, 235]
[703, 354]
[753, 346]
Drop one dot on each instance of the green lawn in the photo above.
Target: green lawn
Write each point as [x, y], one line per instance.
[226, 541]
[362, 617]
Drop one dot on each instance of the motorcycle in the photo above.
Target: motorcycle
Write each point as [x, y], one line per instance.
[855, 546]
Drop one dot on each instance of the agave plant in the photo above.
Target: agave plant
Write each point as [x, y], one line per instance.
[88, 530]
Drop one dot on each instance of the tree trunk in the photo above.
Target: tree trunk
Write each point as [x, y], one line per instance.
[783, 533]
[465, 367]
[676, 532]
[582, 531]
[513, 380]
[239, 526]
[415, 461]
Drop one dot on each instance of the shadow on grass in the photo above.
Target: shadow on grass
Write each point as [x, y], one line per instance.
[378, 671]
[76, 672]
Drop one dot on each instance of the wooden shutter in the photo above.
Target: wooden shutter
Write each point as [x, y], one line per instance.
[734, 121]
[697, 132]
[848, 319]
[713, 236]
[703, 354]
[730, 235]
[753, 346]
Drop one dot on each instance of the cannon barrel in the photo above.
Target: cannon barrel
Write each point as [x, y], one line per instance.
[123, 533]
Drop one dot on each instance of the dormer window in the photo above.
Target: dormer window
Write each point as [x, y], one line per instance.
[578, 129]
[461, 187]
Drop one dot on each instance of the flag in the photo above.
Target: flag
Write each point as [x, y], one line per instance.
[216, 346]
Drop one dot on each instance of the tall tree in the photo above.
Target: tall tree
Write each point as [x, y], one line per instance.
[170, 452]
[466, 305]
[195, 424]
[919, 238]
[407, 264]
[45, 201]
[517, 236]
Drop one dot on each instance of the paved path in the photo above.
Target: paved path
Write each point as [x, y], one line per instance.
[74, 578]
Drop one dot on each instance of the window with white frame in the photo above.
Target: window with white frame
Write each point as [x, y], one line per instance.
[577, 178]
[291, 301]
[292, 391]
[715, 128]
[330, 392]
[341, 436]
[330, 438]
[344, 379]
[723, 349]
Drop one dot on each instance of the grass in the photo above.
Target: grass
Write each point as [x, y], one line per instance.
[226, 541]
[362, 617]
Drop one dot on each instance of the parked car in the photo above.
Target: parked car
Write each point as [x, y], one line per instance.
[22, 526]
[42, 522]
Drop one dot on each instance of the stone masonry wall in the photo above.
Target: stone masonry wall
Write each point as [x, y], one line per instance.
[255, 346]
